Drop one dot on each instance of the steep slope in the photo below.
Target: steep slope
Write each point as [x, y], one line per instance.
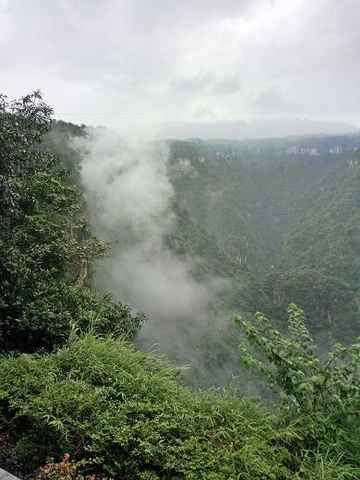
[219, 196]
[276, 219]
[319, 255]
[289, 219]
[246, 198]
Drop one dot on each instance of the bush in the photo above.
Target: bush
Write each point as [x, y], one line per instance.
[45, 244]
[124, 414]
[321, 396]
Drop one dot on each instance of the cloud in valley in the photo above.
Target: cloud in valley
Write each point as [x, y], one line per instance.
[129, 197]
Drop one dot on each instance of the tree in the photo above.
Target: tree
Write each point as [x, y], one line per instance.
[322, 395]
[44, 240]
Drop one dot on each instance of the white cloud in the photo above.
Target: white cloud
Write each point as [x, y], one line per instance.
[136, 64]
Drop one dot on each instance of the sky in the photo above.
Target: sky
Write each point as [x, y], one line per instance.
[167, 68]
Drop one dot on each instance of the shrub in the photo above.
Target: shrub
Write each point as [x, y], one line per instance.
[321, 396]
[125, 415]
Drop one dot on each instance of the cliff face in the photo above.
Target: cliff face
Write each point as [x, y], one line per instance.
[290, 219]
[228, 150]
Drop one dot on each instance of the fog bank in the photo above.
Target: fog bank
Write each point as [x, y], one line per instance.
[129, 197]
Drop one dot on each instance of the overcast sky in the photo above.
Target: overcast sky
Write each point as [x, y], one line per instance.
[145, 65]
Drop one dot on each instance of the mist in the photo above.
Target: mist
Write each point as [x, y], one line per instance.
[129, 197]
[265, 128]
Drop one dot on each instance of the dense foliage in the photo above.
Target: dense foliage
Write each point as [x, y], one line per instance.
[122, 414]
[78, 403]
[285, 214]
[319, 253]
[125, 413]
[45, 245]
[322, 395]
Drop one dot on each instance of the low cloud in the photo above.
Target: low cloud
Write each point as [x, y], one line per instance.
[129, 197]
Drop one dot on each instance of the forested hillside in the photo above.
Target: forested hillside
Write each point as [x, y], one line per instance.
[290, 220]
[276, 218]
[255, 229]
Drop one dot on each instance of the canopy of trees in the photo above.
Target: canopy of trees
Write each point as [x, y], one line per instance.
[78, 402]
[44, 241]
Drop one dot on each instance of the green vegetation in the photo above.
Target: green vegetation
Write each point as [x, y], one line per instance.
[322, 397]
[125, 413]
[325, 392]
[319, 254]
[45, 245]
[288, 223]
[78, 402]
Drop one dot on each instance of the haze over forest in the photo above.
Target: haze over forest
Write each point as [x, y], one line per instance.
[180, 241]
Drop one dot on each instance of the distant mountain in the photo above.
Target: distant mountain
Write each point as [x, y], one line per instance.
[240, 129]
